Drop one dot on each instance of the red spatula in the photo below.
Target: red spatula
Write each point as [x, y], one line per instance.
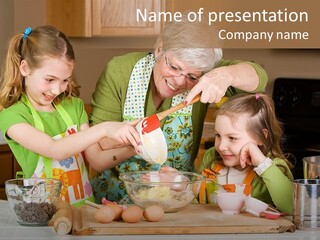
[153, 122]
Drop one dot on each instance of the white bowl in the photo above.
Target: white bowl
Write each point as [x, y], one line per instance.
[255, 206]
[154, 146]
[230, 202]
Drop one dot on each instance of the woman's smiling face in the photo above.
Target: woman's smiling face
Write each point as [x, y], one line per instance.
[172, 77]
[231, 136]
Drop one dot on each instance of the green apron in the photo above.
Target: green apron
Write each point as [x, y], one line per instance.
[72, 171]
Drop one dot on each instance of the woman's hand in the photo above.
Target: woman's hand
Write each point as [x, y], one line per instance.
[215, 83]
[213, 86]
[250, 154]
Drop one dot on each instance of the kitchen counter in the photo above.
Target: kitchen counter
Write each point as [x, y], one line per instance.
[10, 229]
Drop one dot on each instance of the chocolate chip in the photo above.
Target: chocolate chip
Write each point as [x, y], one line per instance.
[34, 212]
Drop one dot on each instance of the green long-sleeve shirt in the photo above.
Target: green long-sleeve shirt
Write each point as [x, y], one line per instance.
[274, 186]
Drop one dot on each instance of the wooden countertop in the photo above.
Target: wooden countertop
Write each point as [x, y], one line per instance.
[193, 219]
[11, 230]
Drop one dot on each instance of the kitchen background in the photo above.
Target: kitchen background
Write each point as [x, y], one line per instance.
[92, 53]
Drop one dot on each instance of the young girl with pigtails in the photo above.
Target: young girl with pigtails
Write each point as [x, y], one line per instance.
[247, 155]
[44, 121]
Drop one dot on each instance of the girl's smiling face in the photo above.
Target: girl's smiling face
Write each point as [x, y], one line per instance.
[44, 84]
[231, 136]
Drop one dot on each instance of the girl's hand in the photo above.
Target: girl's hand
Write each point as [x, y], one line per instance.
[250, 154]
[135, 122]
[125, 133]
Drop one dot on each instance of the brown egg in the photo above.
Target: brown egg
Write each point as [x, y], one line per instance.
[117, 209]
[105, 214]
[132, 214]
[153, 213]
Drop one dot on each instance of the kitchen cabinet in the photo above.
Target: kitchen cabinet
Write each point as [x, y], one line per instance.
[8, 168]
[207, 139]
[103, 18]
[188, 5]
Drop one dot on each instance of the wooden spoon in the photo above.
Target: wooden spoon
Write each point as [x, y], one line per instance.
[153, 122]
[163, 114]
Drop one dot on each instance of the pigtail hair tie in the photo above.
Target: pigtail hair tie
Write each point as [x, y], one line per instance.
[257, 96]
[27, 32]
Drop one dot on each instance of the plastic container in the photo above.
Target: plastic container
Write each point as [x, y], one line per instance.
[255, 206]
[230, 202]
[154, 145]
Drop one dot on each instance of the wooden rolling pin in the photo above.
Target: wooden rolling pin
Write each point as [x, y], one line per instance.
[62, 219]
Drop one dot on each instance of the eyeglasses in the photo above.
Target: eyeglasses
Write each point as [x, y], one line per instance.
[176, 72]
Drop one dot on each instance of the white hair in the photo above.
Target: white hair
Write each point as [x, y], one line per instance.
[204, 59]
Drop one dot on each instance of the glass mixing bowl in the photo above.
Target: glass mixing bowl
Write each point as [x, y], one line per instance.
[170, 190]
[32, 199]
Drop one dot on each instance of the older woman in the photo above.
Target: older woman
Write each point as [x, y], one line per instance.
[185, 62]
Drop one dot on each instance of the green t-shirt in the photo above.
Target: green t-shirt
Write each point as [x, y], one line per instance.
[52, 122]
[111, 89]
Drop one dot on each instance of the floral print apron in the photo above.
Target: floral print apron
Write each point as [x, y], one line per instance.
[72, 171]
[177, 130]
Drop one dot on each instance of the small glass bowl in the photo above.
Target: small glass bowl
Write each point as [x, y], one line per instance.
[32, 199]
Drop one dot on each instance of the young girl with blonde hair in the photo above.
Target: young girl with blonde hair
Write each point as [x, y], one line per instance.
[247, 154]
[44, 121]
